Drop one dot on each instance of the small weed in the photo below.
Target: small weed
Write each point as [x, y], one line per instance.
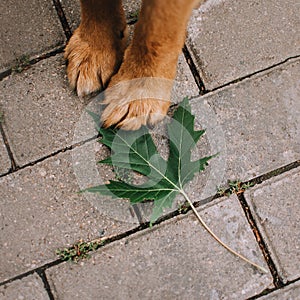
[221, 191]
[238, 187]
[235, 187]
[183, 208]
[22, 64]
[78, 251]
[1, 117]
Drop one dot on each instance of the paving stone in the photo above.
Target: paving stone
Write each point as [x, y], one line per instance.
[231, 39]
[254, 125]
[30, 287]
[40, 110]
[27, 28]
[4, 158]
[291, 292]
[41, 211]
[276, 206]
[176, 260]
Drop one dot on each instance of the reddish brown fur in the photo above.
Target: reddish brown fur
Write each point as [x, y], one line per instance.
[97, 47]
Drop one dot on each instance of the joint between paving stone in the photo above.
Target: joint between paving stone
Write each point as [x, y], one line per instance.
[5, 73]
[263, 293]
[193, 69]
[277, 280]
[31, 62]
[37, 270]
[41, 270]
[101, 242]
[8, 149]
[248, 76]
[269, 291]
[32, 163]
[45, 281]
[264, 177]
[63, 20]
[240, 187]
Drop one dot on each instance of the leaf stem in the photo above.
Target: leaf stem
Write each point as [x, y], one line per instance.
[216, 238]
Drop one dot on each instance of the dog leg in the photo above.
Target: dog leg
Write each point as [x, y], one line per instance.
[145, 79]
[96, 49]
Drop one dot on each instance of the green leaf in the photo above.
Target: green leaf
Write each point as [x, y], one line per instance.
[135, 150]
[182, 138]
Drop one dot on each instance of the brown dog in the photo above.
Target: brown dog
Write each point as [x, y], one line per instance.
[97, 57]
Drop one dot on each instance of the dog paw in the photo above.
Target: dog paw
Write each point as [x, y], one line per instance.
[92, 61]
[136, 102]
[135, 114]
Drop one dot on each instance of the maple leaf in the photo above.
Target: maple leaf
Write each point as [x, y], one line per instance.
[135, 150]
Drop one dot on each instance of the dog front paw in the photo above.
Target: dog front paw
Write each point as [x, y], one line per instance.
[92, 61]
[136, 102]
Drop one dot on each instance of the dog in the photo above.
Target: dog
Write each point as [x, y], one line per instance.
[98, 58]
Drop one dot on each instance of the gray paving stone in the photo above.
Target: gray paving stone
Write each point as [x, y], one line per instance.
[40, 110]
[231, 39]
[30, 287]
[291, 292]
[4, 158]
[276, 206]
[41, 211]
[27, 28]
[176, 260]
[254, 125]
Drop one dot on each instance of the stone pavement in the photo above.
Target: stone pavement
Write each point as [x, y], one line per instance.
[241, 67]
